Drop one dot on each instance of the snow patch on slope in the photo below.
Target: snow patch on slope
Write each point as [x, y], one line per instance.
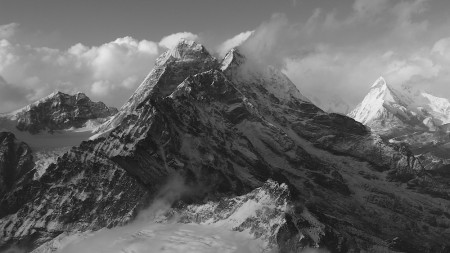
[43, 159]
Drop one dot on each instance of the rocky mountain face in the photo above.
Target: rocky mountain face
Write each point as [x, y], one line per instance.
[16, 162]
[226, 128]
[171, 68]
[58, 111]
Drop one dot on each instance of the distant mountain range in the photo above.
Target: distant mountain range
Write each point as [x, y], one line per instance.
[407, 115]
[58, 111]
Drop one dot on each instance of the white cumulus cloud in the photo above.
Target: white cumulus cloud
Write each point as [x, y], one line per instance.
[8, 30]
[109, 72]
[237, 40]
[172, 40]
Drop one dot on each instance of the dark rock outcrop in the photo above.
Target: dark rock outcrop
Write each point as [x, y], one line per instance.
[81, 192]
[16, 162]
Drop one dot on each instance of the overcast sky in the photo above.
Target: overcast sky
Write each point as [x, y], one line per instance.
[332, 50]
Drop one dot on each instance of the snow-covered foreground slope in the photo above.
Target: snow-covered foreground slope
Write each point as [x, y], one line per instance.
[251, 223]
[156, 238]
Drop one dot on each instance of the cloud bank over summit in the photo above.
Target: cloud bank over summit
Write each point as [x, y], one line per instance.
[105, 72]
[332, 57]
[332, 54]
[171, 41]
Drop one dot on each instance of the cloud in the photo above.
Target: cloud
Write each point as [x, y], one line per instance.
[124, 237]
[329, 56]
[172, 40]
[10, 94]
[333, 79]
[109, 72]
[401, 71]
[237, 40]
[441, 49]
[15, 249]
[334, 58]
[369, 7]
[327, 76]
[265, 42]
[8, 30]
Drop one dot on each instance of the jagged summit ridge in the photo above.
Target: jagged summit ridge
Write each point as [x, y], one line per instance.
[189, 58]
[380, 82]
[184, 50]
[56, 96]
[192, 58]
[171, 68]
[232, 59]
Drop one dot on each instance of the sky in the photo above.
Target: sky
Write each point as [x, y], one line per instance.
[332, 50]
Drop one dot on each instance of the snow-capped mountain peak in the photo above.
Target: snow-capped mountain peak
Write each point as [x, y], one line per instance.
[232, 59]
[385, 108]
[372, 105]
[171, 68]
[184, 50]
[380, 82]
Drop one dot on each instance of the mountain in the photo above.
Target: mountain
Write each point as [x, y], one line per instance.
[408, 116]
[171, 68]
[33, 137]
[55, 123]
[385, 109]
[230, 131]
[59, 111]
